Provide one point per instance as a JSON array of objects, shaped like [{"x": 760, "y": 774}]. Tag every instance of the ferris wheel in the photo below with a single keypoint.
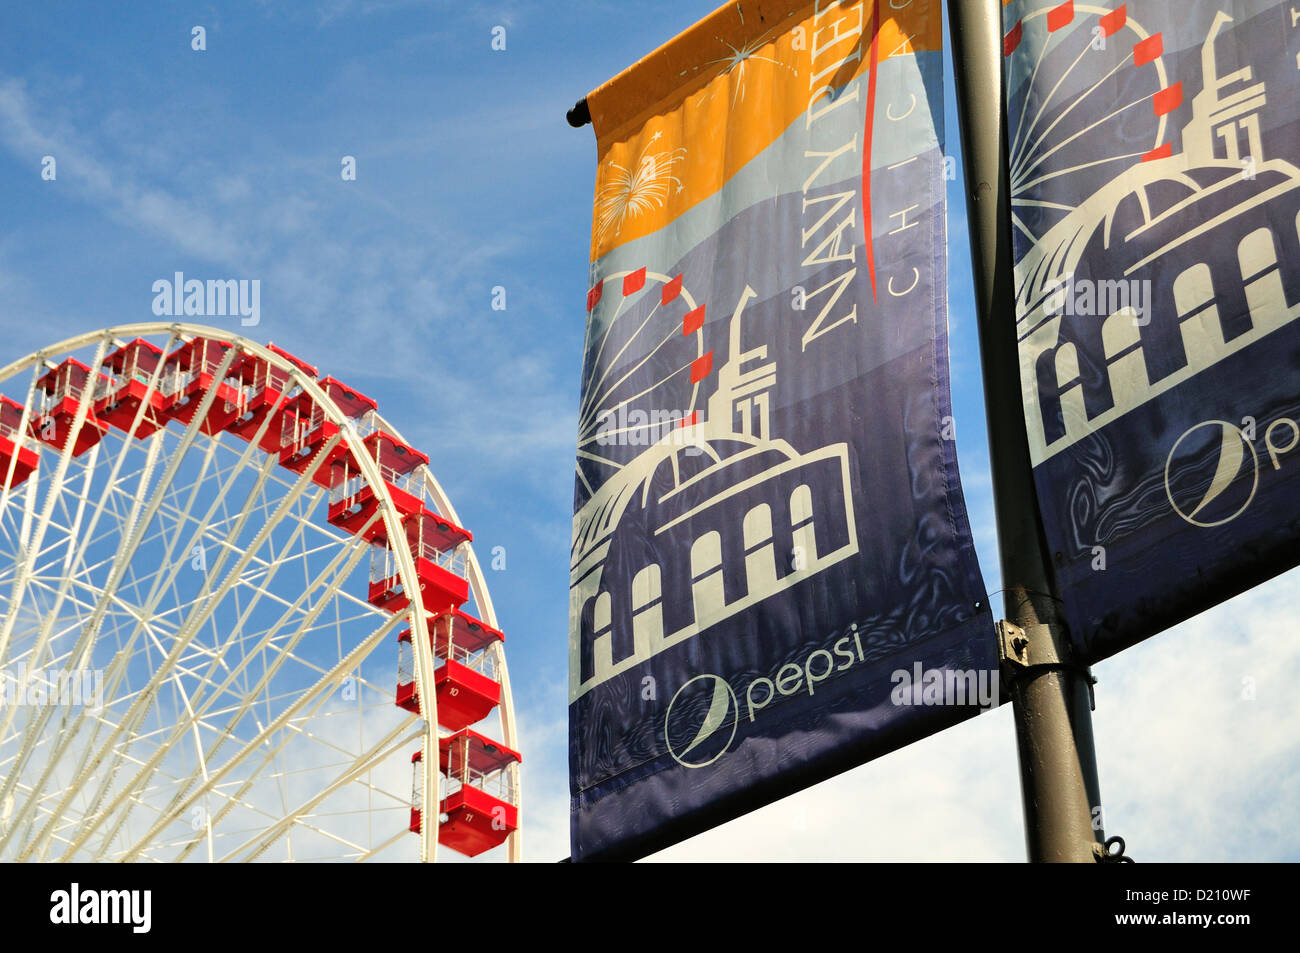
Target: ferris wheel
[
  {"x": 1111, "y": 87},
  {"x": 212, "y": 566},
  {"x": 643, "y": 372}
]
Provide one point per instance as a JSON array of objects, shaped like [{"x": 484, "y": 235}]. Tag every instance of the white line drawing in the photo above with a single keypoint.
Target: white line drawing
[
  {"x": 721, "y": 496},
  {"x": 1165, "y": 219}
]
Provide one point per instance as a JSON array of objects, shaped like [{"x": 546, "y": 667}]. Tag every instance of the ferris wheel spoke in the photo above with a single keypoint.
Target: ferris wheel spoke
[
  {"x": 604, "y": 339},
  {"x": 160, "y": 846},
  {"x": 107, "y": 840},
  {"x": 376, "y": 851},
  {"x": 199, "y": 614},
  {"x": 1018, "y": 181},
  {"x": 81, "y": 653},
  {"x": 224, "y": 736},
  {"x": 340, "y": 571},
  {"x": 31, "y": 545},
  {"x": 1086, "y": 165},
  {"x": 1018, "y": 223},
  {"x": 160, "y": 850},
  {"x": 85, "y": 642},
  {"x": 396, "y": 740},
  {"x": 348, "y": 755},
  {"x": 325, "y": 684},
  {"x": 1041, "y": 109},
  {"x": 237, "y": 799},
  {"x": 120, "y": 661},
  {"x": 583, "y": 438},
  {"x": 11, "y": 515},
  {"x": 585, "y": 482},
  {"x": 1034, "y": 203},
  {"x": 69, "y": 570},
  {"x": 591, "y": 416},
  {"x": 595, "y": 458},
  {"x": 181, "y": 511},
  {"x": 1029, "y": 151},
  {"x": 1024, "y": 106},
  {"x": 592, "y": 386},
  {"x": 29, "y": 514}
]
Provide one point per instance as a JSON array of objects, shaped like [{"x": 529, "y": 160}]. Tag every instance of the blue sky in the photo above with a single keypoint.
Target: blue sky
[{"x": 226, "y": 164}]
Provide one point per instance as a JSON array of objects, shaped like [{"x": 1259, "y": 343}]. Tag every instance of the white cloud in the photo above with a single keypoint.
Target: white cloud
[{"x": 26, "y": 133}]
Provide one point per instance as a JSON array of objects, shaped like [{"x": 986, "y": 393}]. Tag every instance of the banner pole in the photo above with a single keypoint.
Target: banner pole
[{"x": 1051, "y": 698}]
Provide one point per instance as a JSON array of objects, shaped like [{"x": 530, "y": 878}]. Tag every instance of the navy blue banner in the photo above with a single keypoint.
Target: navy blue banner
[
  {"x": 1156, "y": 204},
  {"x": 773, "y": 578}
]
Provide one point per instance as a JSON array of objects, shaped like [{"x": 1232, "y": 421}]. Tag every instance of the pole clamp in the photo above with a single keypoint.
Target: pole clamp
[{"x": 1029, "y": 647}]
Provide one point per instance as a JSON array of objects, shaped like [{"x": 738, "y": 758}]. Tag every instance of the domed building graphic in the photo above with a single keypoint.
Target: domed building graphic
[
  {"x": 714, "y": 517},
  {"x": 1213, "y": 235}
]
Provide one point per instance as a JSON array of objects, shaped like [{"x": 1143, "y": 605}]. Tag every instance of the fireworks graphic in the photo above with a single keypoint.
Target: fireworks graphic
[
  {"x": 630, "y": 192},
  {"x": 739, "y": 59}
]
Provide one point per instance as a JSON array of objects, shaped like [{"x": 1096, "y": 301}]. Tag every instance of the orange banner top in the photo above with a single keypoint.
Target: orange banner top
[{"x": 673, "y": 128}]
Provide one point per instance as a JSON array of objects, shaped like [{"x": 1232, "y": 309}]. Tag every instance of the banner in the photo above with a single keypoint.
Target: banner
[
  {"x": 1155, "y": 197},
  {"x": 772, "y": 574}
]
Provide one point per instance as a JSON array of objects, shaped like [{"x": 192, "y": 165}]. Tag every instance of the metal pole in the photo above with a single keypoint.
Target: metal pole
[{"x": 1051, "y": 697}]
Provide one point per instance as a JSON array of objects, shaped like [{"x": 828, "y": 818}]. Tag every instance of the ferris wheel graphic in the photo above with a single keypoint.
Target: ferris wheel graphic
[
  {"x": 212, "y": 561},
  {"x": 1112, "y": 86},
  {"x": 644, "y": 367}
]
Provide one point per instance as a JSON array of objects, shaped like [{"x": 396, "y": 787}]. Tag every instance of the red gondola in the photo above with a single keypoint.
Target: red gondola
[
  {"x": 191, "y": 371},
  {"x": 13, "y": 453},
  {"x": 125, "y": 388},
  {"x": 352, "y": 499},
  {"x": 61, "y": 389},
  {"x": 480, "y": 807},
  {"x": 266, "y": 390},
  {"x": 438, "y": 547},
  {"x": 465, "y": 679},
  {"x": 306, "y": 429}
]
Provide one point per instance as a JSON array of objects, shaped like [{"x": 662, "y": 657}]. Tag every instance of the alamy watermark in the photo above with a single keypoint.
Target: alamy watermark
[
  {"x": 944, "y": 686},
  {"x": 53, "y": 687},
  {"x": 133, "y": 908},
  {"x": 1100, "y": 298},
  {"x": 181, "y": 297},
  {"x": 643, "y": 428}
]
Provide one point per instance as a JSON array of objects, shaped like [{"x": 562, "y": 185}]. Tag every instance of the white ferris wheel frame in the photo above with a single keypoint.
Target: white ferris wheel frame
[{"x": 418, "y": 616}]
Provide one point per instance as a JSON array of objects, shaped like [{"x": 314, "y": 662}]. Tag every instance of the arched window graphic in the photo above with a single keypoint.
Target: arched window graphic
[
  {"x": 1067, "y": 367},
  {"x": 595, "y": 630},
  {"x": 804, "y": 530},
  {"x": 1056, "y": 373},
  {"x": 1198, "y": 315},
  {"x": 1262, "y": 278},
  {"x": 647, "y": 610},
  {"x": 1121, "y": 338},
  {"x": 707, "y": 591},
  {"x": 1069, "y": 387},
  {"x": 587, "y": 635},
  {"x": 602, "y": 622},
  {"x": 760, "y": 552},
  {"x": 1120, "y": 334}
]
